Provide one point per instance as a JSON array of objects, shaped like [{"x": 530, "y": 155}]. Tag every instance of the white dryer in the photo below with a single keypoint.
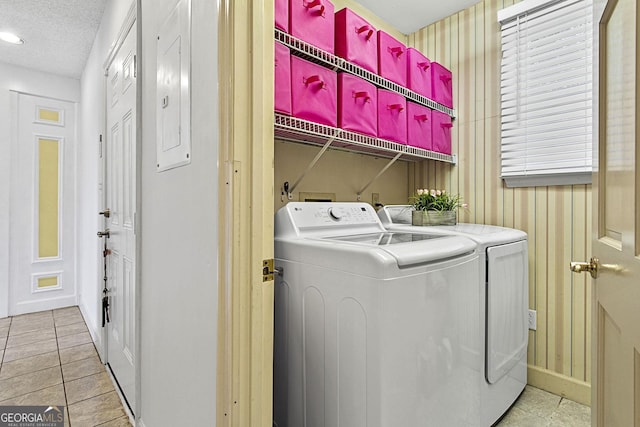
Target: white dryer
[
  {"x": 373, "y": 328},
  {"x": 503, "y": 278}
]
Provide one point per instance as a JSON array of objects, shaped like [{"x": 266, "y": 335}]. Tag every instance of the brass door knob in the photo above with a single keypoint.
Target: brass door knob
[
  {"x": 106, "y": 213},
  {"x": 106, "y": 233},
  {"x": 591, "y": 267}
]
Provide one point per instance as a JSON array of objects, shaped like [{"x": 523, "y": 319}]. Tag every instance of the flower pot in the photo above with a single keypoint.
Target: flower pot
[{"x": 433, "y": 217}]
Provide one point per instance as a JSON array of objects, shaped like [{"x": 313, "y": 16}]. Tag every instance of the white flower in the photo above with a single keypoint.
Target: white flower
[
  {"x": 438, "y": 193},
  {"x": 433, "y": 193},
  {"x": 465, "y": 205},
  {"x": 420, "y": 191}
]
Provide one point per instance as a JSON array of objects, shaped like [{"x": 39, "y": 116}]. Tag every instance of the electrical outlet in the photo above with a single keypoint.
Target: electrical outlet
[
  {"x": 533, "y": 319},
  {"x": 375, "y": 198}
]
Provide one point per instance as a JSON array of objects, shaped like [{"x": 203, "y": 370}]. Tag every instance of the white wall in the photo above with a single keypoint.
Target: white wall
[
  {"x": 178, "y": 259},
  {"x": 20, "y": 79},
  {"x": 89, "y": 174}
]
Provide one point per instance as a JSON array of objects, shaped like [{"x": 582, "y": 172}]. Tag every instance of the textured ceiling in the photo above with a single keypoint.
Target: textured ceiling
[
  {"x": 57, "y": 34},
  {"x": 409, "y": 16}
]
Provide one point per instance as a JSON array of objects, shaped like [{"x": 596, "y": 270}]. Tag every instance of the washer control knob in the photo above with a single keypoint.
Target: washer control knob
[{"x": 336, "y": 213}]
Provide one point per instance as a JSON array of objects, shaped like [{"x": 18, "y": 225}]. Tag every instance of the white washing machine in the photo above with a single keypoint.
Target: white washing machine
[
  {"x": 503, "y": 278},
  {"x": 373, "y": 328}
]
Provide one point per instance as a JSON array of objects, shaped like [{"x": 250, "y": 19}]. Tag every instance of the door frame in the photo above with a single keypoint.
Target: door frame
[
  {"x": 246, "y": 201},
  {"x": 130, "y": 23}
]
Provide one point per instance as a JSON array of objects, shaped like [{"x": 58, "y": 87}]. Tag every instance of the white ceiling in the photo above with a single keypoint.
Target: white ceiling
[
  {"x": 409, "y": 16},
  {"x": 57, "y": 34}
]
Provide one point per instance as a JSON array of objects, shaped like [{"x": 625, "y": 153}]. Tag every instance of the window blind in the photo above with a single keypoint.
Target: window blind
[{"x": 546, "y": 92}]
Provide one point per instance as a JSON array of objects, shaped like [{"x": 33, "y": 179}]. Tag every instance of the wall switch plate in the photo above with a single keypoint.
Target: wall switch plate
[{"x": 533, "y": 319}]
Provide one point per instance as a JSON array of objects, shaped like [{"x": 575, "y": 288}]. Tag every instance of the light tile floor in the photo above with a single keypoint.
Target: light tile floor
[
  {"x": 537, "y": 408},
  {"x": 48, "y": 358}
]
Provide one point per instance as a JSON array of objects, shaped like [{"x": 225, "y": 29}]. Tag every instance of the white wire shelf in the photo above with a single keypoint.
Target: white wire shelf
[
  {"x": 302, "y": 131},
  {"x": 319, "y": 56}
]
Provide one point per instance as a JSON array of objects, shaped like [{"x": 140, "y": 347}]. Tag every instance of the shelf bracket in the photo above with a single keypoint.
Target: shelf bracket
[
  {"x": 324, "y": 148},
  {"x": 384, "y": 169}
]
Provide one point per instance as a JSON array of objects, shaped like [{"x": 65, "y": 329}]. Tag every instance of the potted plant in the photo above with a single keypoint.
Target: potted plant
[{"x": 435, "y": 207}]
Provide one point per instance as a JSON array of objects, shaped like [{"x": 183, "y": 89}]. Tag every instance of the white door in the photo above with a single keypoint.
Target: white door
[
  {"x": 616, "y": 233},
  {"x": 120, "y": 200},
  {"x": 42, "y": 210}
]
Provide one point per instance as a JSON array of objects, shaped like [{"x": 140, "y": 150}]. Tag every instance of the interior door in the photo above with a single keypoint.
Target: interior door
[
  {"x": 42, "y": 207},
  {"x": 616, "y": 233},
  {"x": 120, "y": 200}
]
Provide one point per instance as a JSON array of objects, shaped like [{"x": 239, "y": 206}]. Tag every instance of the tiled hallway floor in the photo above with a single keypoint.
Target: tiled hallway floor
[
  {"x": 48, "y": 358},
  {"x": 537, "y": 408}
]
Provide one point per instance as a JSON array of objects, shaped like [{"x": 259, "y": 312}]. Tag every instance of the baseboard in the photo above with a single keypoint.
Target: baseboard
[
  {"x": 45, "y": 304},
  {"x": 561, "y": 385},
  {"x": 94, "y": 330}
]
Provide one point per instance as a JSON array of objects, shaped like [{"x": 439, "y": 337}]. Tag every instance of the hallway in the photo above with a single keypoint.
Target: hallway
[{"x": 48, "y": 358}]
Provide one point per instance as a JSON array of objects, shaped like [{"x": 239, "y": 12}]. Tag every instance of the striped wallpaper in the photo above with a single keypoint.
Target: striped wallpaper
[{"x": 557, "y": 219}]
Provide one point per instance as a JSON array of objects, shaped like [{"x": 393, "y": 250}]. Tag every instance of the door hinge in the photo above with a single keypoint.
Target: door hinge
[{"x": 268, "y": 271}]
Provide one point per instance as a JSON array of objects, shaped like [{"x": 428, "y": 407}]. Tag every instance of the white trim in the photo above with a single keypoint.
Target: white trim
[
  {"x": 35, "y": 258},
  {"x": 91, "y": 327},
  {"x": 34, "y": 281},
  {"x": 127, "y": 24},
  {"x": 518, "y": 9},
  {"x": 38, "y": 120},
  {"x": 44, "y": 304},
  {"x": 6, "y": 208},
  {"x": 136, "y": 224}
]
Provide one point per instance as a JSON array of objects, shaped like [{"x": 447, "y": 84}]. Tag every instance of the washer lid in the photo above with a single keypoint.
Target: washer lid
[
  {"x": 385, "y": 239},
  {"x": 410, "y": 248}
]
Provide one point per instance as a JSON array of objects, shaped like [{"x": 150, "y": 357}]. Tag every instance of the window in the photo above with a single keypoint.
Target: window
[{"x": 546, "y": 92}]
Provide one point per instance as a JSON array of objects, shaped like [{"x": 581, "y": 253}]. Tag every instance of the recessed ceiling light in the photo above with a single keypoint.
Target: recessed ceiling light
[{"x": 11, "y": 38}]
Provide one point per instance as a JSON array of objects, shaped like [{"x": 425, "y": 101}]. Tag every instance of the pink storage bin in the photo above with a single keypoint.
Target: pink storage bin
[
  {"x": 313, "y": 22},
  {"x": 392, "y": 59},
  {"x": 392, "y": 116},
  {"x": 313, "y": 92},
  {"x": 282, "y": 92},
  {"x": 441, "y": 85},
  {"x": 357, "y": 105},
  {"x": 356, "y": 40},
  {"x": 419, "y": 126},
  {"x": 441, "y": 132},
  {"x": 281, "y": 14},
  {"x": 418, "y": 73}
]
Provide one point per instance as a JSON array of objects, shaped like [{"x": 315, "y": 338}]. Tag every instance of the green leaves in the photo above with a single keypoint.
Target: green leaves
[{"x": 436, "y": 200}]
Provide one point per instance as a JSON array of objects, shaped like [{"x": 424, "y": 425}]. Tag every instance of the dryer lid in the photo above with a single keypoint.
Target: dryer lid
[{"x": 398, "y": 217}]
